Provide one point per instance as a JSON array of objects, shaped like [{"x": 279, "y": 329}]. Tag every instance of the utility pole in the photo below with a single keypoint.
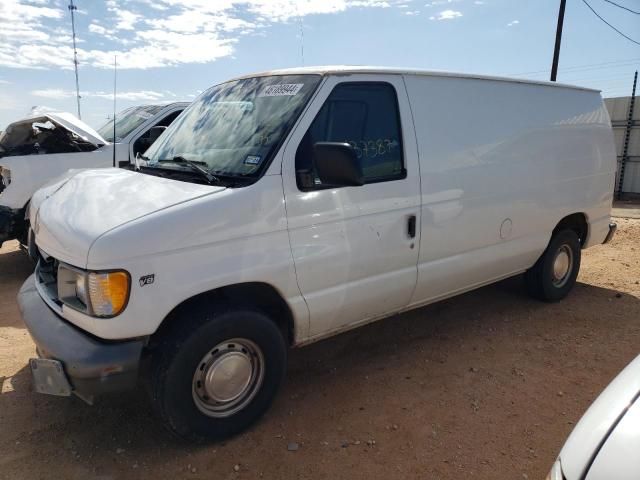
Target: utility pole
[
  {"x": 72, "y": 9},
  {"x": 556, "y": 51},
  {"x": 114, "y": 142}
]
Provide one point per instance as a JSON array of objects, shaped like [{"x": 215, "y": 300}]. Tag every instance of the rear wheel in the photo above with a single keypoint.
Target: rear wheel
[
  {"x": 554, "y": 274},
  {"x": 215, "y": 374}
]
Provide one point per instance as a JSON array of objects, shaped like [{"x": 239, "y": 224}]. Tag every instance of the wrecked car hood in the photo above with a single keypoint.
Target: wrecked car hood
[
  {"x": 20, "y": 131},
  {"x": 77, "y": 126},
  {"x": 76, "y": 211}
]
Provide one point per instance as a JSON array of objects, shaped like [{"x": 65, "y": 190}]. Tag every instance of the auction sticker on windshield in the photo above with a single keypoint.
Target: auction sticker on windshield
[
  {"x": 252, "y": 160},
  {"x": 281, "y": 90}
]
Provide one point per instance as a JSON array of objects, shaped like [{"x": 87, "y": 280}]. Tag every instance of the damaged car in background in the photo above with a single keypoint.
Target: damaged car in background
[{"x": 43, "y": 146}]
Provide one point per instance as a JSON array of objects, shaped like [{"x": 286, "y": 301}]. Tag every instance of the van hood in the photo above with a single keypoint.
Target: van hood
[
  {"x": 20, "y": 133},
  {"x": 78, "y": 210}
]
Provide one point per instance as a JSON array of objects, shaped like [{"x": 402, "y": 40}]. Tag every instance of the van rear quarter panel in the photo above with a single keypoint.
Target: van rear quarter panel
[{"x": 493, "y": 152}]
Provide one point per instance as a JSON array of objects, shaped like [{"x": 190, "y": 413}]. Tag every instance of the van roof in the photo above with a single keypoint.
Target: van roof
[
  {"x": 168, "y": 104},
  {"x": 347, "y": 69}
]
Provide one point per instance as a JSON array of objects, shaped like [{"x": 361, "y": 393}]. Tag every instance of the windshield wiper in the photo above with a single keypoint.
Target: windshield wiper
[
  {"x": 239, "y": 177},
  {"x": 211, "y": 178}
]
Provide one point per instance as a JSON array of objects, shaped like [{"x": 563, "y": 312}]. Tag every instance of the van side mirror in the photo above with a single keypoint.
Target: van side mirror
[
  {"x": 145, "y": 141},
  {"x": 154, "y": 133},
  {"x": 337, "y": 164}
]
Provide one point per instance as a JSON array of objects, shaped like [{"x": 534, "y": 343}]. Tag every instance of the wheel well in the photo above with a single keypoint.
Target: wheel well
[
  {"x": 256, "y": 294},
  {"x": 576, "y": 222}
]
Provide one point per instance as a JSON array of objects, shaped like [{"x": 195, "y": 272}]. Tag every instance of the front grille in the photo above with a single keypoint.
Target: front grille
[{"x": 47, "y": 277}]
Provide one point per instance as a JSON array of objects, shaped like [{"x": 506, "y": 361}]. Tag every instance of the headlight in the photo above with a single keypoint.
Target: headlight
[
  {"x": 72, "y": 288},
  {"x": 108, "y": 292},
  {"x": 100, "y": 294},
  {"x": 81, "y": 289},
  {"x": 556, "y": 472}
]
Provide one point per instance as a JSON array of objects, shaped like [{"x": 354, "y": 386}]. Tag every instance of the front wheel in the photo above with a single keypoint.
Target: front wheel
[
  {"x": 215, "y": 374},
  {"x": 554, "y": 274}
]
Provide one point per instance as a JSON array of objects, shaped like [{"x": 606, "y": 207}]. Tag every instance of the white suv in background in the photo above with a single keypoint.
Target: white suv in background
[{"x": 43, "y": 146}]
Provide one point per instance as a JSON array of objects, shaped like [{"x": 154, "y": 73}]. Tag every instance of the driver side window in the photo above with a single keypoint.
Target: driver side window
[
  {"x": 364, "y": 115},
  {"x": 145, "y": 140}
]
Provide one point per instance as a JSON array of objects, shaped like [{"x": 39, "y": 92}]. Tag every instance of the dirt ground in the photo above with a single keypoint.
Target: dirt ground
[{"x": 487, "y": 385}]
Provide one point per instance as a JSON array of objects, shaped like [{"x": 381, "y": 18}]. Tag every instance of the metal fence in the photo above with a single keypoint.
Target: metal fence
[{"x": 619, "y": 113}]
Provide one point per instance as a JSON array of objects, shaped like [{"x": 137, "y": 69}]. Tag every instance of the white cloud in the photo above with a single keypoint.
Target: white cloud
[
  {"x": 4, "y": 82},
  {"x": 161, "y": 49},
  {"x": 149, "y": 33},
  {"x": 513, "y": 23},
  {"x": 126, "y": 19},
  {"x": 447, "y": 15},
  {"x": 147, "y": 95},
  {"x": 140, "y": 95},
  {"x": 55, "y": 93},
  {"x": 24, "y": 40},
  {"x": 99, "y": 29},
  {"x": 437, "y": 3}
]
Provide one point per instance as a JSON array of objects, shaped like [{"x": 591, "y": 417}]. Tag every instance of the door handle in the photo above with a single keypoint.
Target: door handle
[{"x": 411, "y": 226}]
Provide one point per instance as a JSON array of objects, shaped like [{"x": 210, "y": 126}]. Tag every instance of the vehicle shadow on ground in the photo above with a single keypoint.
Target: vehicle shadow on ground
[
  {"x": 426, "y": 352},
  {"x": 15, "y": 267}
]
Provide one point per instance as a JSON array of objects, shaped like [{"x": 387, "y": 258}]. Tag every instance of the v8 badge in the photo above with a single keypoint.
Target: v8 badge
[{"x": 147, "y": 279}]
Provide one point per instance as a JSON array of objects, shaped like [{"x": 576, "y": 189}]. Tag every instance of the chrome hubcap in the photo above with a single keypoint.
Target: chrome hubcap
[
  {"x": 562, "y": 266},
  {"x": 228, "y": 377}
]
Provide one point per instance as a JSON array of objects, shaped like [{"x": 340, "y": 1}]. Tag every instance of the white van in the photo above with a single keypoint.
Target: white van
[
  {"x": 42, "y": 146},
  {"x": 285, "y": 207}
]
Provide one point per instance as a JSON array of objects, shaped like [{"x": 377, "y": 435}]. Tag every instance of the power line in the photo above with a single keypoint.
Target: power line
[
  {"x": 590, "y": 66},
  {"x": 596, "y": 79},
  {"x": 614, "y": 28},
  {"x": 622, "y": 7},
  {"x": 609, "y": 81},
  {"x": 618, "y": 72}
]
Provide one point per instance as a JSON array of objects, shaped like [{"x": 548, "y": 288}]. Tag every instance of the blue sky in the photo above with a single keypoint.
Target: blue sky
[{"x": 173, "y": 49}]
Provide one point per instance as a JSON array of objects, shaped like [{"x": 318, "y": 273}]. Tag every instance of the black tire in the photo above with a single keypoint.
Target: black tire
[
  {"x": 180, "y": 352},
  {"x": 542, "y": 283}
]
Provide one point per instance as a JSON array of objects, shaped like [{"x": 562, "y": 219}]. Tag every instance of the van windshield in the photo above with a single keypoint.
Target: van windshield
[
  {"x": 236, "y": 127},
  {"x": 127, "y": 121}
]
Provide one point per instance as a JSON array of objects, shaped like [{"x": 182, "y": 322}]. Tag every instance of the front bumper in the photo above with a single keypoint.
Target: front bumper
[
  {"x": 92, "y": 366},
  {"x": 612, "y": 230}
]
